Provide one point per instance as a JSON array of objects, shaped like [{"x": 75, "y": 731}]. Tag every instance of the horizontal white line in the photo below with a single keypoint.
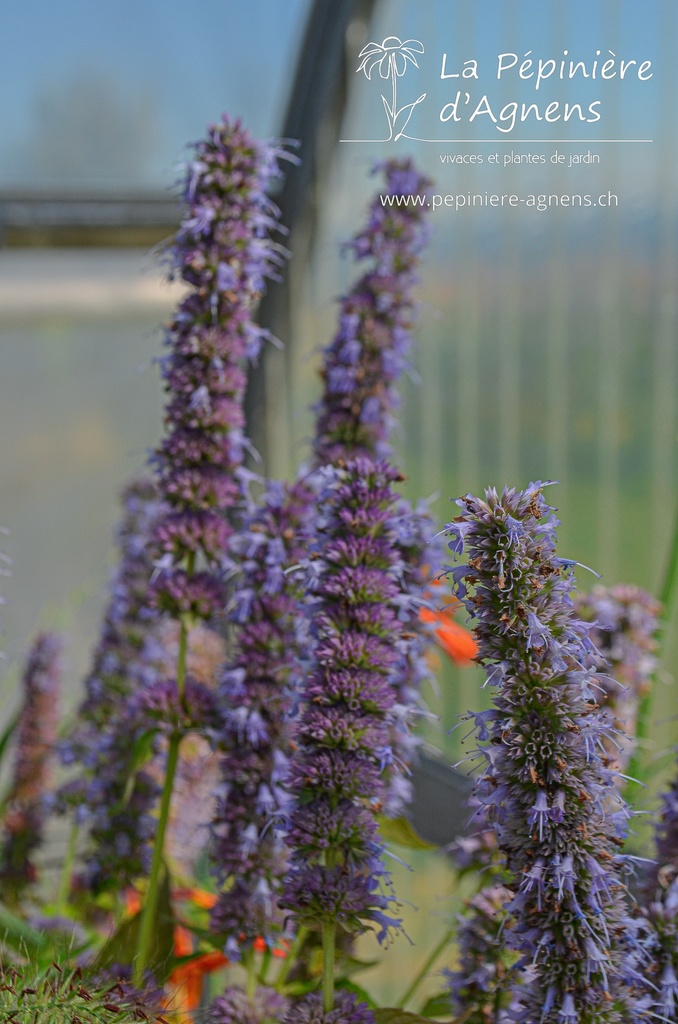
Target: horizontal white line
[{"x": 473, "y": 142}]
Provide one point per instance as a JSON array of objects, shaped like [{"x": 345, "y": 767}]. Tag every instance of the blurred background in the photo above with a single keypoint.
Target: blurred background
[{"x": 546, "y": 340}]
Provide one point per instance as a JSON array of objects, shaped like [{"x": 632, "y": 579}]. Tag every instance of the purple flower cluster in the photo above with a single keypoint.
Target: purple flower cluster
[
  {"x": 660, "y": 927},
  {"x": 547, "y": 783},
  {"x": 666, "y": 838},
  {"x": 368, "y": 354},
  {"x": 223, "y": 250},
  {"x": 128, "y": 653},
  {"x": 234, "y": 1007},
  {"x": 336, "y": 875},
  {"x": 224, "y": 253},
  {"x": 258, "y": 692},
  {"x": 625, "y": 621},
  {"x": 347, "y": 1010},
  {"x": 361, "y": 369},
  {"x": 477, "y": 987},
  {"x": 111, "y": 794},
  {"x": 25, "y": 807}
]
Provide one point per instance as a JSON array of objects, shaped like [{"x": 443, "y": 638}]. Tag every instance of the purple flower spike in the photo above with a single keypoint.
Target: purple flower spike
[
  {"x": 347, "y": 707},
  {"x": 234, "y": 1007},
  {"x": 363, "y": 363},
  {"x": 258, "y": 692},
  {"x": 347, "y": 1010},
  {"x": 25, "y": 809},
  {"x": 625, "y": 620},
  {"x": 548, "y": 786},
  {"x": 129, "y": 658},
  {"x": 361, "y": 370},
  {"x": 483, "y": 959},
  {"x": 225, "y": 253}
]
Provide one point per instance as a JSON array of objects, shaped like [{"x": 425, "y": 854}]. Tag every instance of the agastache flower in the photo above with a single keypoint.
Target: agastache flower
[
  {"x": 234, "y": 1007},
  {"x": 660, "y": 925},
  {"x": 370, "y": 351},
  {"x": 336, "y": 875},
  {"x": 25, "y": 805},
  {"x": 258, "y": 692},
  {"x": 547, "y": 784},
  {"x": 347, "y": 1010},
  {"x": 477, "y": 987},
  {"x": 115, "y": 801},
  {"x": 361, "y": 369},
  {"x": 224, "y": 251},
  {"x": 128, "y": 654},
  {"x": 625, "y": 621}
]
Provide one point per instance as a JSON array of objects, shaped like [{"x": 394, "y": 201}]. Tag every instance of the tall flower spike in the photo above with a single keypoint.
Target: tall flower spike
[
  {"x": 659, "y": 910},
  {"x": 37, "y": 729},
  {"x": 225, "y": 253},
  {"x": 361, "y": 370},
  {"x": 370, "y": 351},
  {"x": 547, "y": 781},
  {"x": 478, "y": 988},
  {"x": 336, "y": 875},
  {"x": 625, "y": 621},
  {"x": 130, "y": 656},
  {"x": 259, "y": 688}
]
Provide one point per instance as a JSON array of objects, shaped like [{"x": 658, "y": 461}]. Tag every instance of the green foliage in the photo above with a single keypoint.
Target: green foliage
[
  {"x": 362, "y": 994},
  {"x": 19, "y": 936},
  {"x": 122, "y": 945},
  {"x": 142, "y": 754},
  {"x": 58, "y": 996},
  {"x": 402, "y": 832},
  {"x": 437, "y": 1006}
]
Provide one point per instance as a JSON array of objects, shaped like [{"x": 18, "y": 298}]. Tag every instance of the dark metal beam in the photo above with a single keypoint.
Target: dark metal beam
[{"x": 316, "y": 107}]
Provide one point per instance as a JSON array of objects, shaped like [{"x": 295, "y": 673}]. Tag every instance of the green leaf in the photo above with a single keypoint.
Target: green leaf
[
  {"x": 349, "y": 986},
  {"x": 348, "y": 965},
  {"x": 401, "y": 832},
  {"x": 142, "y": 753},
  {"x": 301, "y": 988},
  {"x": 4, "y": 743},
  {"x": 121, "y": 947},
  {"x": 20, "y": 936},
  {"x": 7, "y": 734},
  {"x": 437, "y": 1006}
]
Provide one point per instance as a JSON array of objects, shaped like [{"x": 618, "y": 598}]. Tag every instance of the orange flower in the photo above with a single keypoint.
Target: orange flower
[
  {"x": 185, "y": 982},
  {"x": 184, "y": 985},
  {"x": 200, "y": 897},
  {"x": 457, "y": 642}
]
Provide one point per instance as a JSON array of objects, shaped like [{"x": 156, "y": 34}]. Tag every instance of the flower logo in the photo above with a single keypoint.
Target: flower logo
[{"x": 391, "y": 57}]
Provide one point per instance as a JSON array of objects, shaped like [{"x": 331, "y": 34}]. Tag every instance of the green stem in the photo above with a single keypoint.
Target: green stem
[
  {"x": 329, "y": 942},
  {"x": 251, "y": 976},
  {"x": 148, "y": 915},
  {"x": 428, "y": 964},
  {"x": 291, "y": 957},
  {"x": 67, "y": 870},
  {"x": 181, "y": 660},
  {"x": 265, "y": 964},
  {"x": 667, "y": 597},
  {"x": 183, "y": 640}
]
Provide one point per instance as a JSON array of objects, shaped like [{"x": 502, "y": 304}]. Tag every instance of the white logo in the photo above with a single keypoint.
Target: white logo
[{"x": 391, "y": 57}]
